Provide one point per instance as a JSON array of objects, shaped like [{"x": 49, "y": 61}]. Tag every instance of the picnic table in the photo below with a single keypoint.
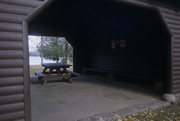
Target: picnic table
[{"x": 57, "y": 70}]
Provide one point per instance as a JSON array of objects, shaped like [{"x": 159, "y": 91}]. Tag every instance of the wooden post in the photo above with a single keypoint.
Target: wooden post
[{"x": 41, "y": 51}]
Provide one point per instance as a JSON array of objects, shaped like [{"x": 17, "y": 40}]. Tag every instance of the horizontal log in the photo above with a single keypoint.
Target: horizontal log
[
  {"x": 176, "y": 63},
  {"x": 27, "y": 3},
  {"x": 169, "y": 11},
  {"x": 8, "y": 108},
  {"x": 174, "y": 73},
  {"x": 176, "y": 45},
  {"x": 12, "y": 116},
  {"x": 11, "y": 63},
  {"x": 11, "y": 45},
  {"x": 176, "y": 77},
  {"x": 10, "y": 81},
  {"x": 11, "y": 36},
  {"x": 176, "y": 54},
  {"x": 10, "y": 72},
  {"x": 15, "y": 9},
  {"x": 5, "y": 17},
  {"x": 176, "y": 86},
  {"x": 177, "y": 41},
  {"x": 11, "y": 90},
  {"x": 176, "y": 37},
  {"x": 172, "y": 21},
  {"x": 175, "y": 91},
  {"x": 11, "y": 99},
  {"x": 176, "y": 68},
  {"x": 10, "y": 27},
  {"x": 176, "y": 50},
  {"x": 176, "y": 59},
  {"x": 170, "y": 16},
  {"x": 176, "y": 81},
  {"x": 176, "y": 27},
  {"x": 11, "y": 54}
]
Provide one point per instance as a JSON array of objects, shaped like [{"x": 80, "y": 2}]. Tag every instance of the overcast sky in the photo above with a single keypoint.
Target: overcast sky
[{"x": 33, "y": 42}]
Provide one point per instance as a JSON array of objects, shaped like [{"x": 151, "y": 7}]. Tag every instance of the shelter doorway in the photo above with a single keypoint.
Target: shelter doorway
[
  {"x": 45, "y": 49},
  {"x": 111, "y": 38}
]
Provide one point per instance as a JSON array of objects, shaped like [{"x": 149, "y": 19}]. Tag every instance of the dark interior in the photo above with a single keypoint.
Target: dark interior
[{"x": 91, "y": 27}]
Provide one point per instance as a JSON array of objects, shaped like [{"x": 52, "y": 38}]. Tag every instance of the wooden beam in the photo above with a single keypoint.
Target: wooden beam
[
  {"x": 136, "y": 3},
  {"x": 38, "y": 10}
]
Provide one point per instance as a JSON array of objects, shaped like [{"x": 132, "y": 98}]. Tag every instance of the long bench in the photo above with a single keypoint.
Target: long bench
[
  {"x": 73, "y": 74},
  {"x": 40, "y": 74},
  {"x": 120, "y": 73}
]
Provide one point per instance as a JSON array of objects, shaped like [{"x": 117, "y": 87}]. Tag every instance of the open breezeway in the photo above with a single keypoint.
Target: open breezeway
[{"x": 85, "y": 97}]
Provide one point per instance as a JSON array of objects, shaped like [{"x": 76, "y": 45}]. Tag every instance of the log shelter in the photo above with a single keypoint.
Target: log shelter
[{"x": 133, "y": 38}]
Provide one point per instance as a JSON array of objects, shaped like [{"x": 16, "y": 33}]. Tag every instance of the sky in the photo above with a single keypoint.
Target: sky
[{"x": 33, "y": 42}]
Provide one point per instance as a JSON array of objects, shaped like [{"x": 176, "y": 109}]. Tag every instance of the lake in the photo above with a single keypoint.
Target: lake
[{"x": 36, "y": 60}]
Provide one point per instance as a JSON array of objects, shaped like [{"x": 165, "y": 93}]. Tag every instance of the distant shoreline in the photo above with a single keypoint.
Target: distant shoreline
[{"x": 36, "y": 60}]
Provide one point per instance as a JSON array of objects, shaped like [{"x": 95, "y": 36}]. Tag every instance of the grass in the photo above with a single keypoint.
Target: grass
[
  {"x": 170, "y": 113},
  {"x": 35, "y": 68}
]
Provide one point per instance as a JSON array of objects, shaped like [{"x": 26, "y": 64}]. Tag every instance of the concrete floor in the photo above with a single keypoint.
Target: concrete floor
[{"x": 86, "y": 96}]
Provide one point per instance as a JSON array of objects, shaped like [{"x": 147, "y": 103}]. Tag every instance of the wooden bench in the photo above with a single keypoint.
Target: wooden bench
[
  {"x": 73, "y": 74},
  {"x": 40, "y": 74},
  {"x": 94, "y": 70},
  {"x": 124, "y": 73}
]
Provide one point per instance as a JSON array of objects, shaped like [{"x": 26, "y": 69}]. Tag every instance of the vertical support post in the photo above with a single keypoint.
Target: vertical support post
[
  {"x": 27, "y": 99},
  {"x": 41, "y": 51}
]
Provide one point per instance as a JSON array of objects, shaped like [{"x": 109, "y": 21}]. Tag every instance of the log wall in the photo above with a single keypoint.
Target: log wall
[{"x": 14, "y": 100}]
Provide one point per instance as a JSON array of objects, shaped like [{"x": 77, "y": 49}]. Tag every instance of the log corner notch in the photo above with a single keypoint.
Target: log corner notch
[
  {"x": 14, "y": 63},
  {"x": 172, "y": 20}
]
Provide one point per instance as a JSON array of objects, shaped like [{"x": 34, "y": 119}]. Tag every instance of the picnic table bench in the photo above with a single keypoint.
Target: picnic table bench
[{"x": 55, "y": 70}]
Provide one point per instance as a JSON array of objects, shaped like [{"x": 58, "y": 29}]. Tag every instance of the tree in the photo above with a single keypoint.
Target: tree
[{"x": 54, "y": 48}]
